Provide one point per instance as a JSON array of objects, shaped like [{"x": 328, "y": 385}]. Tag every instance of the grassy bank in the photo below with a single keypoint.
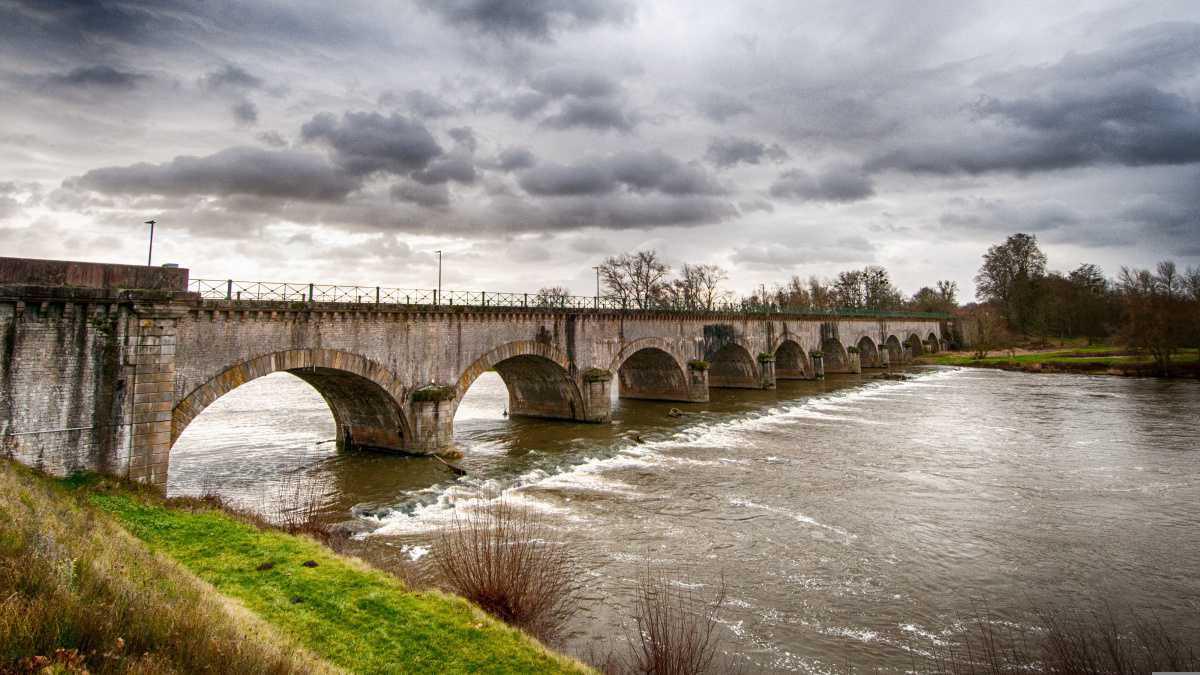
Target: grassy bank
[
  {"x": 78, "y": 592},
  {"x": 1095, "y": 360},
  {"x": 335, "y": 607}
]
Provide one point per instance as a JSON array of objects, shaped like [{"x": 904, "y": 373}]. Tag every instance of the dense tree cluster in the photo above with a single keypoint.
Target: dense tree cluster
[{"x": 1153, "y": 311}]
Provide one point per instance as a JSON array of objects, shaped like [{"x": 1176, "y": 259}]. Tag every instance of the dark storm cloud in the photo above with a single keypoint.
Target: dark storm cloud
[
  {"x": 430, "y": 196},
  {"x": 284, "y": 174},
  {"x": 445, "y": 169},
  {"x": 245, "y": 112},
  {"x": 531, "y": 19},
  {"x": 366, "y": 143},
  {"x": 595, "y": 114},
  {"x": 836, "y": 184},
  {"x": 97, "y": 77},
  {"x": 515, "y": 159},
  {"x": 1113, "y": 106},
  {"x": 728, "y": 151},
  {"x": 653, "y": 171},
  {"x": 86, "y": 29},
  {"x": 465, "y": 139}
]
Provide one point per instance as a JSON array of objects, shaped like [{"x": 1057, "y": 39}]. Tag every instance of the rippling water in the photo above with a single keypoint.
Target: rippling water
[{"x": 853, "y": 519}]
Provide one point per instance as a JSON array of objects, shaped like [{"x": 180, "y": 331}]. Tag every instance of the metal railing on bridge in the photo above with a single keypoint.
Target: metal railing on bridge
[{"x": 229, "y": 289}]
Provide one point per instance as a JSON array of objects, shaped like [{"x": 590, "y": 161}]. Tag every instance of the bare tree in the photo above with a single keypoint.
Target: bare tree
[
  {"x": 699, "y": 286},
  {"x": 987, "y": 330},
  {"x": 794, "y": 294},
  {"x": 820, "y": 293},
  {"x": 1155, "y": 318},
  {"x": 552, "y": 296},
  {"x": 639, "y": 278}
]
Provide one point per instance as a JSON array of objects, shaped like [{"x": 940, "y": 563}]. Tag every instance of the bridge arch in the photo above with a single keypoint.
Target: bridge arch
[
  {"x": 732, "y": 366},
  {"x": 538, "y": 377},
  {"x": 650, "y": 368},
  {"x": 791, "y": 361},
  {"x": 868, "y": 353},
  {"x": 837, "y": 359},
  {"x": 895, "y": 350},
  {"x": 935, "y": 345},
  {"x": 914, "y": 345},
  {"x": 364, "y": 396}
]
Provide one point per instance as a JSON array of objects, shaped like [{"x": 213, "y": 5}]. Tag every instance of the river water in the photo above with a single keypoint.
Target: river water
[{"x": 854, "y": 520}]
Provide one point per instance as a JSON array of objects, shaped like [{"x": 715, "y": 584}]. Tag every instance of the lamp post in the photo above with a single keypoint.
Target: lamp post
[
  {"x": 597, "y": 268},
  {"x": 437, "y": 299},
  {"x": 150, "y": 253}
]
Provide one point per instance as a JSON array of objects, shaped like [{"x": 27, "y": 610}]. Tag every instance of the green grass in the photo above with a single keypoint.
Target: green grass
[
  {"x": 354, "y": 616},
  {"x": 79, "y": 592}
]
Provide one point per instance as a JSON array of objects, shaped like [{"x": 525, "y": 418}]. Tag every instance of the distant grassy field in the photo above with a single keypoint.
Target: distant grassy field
[{"x": 1098, "y": 358}]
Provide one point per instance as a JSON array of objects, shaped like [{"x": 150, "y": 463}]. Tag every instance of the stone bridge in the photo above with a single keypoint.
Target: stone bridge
[{"x": 102, "y": 367}]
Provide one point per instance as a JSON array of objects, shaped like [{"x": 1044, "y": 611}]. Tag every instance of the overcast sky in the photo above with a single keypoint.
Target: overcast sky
[{"x": 529, "y": 139}]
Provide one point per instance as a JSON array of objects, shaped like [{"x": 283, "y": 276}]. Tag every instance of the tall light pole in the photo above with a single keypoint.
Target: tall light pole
[
  {"x": 438, "y": 298},
  {"x": 150, "y": 253},
  {"x": 597, "y": 268}
]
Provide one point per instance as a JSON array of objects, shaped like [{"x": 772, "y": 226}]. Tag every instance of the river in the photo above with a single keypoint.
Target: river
[{"x": 854, "y": 520}]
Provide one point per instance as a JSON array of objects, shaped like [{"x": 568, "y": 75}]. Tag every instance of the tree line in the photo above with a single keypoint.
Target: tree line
[
  {"x": 1154, "y": 311},
  {"x": 644, "y": 280}
]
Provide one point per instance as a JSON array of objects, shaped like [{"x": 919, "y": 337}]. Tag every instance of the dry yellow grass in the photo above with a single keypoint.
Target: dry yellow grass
[{"x": 78, "y": 592}]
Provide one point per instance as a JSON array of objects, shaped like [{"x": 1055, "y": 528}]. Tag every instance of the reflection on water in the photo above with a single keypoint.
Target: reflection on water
[{"x": 850, "y": 517}]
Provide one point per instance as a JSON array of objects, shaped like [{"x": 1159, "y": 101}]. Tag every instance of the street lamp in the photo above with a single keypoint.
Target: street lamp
[
  {"x": 150, "y": 253},
  {"x": 597, "y": 268},
  {"x": 437, "y": 299}
]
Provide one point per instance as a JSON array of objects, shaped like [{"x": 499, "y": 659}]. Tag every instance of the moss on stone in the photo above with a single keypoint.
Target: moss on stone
[
  {"x": 596, "y": 375},
  {"x": 433, "y": 393},
  {"x": 698, "y": 364},
  {"x": 764, "y": 357},
  {"x": 816, "y": 353}
]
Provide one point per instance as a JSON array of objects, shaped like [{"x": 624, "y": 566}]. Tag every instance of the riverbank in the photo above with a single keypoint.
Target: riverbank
[
  {"x": 1086, "y": 360},
  {"x": 100, "y": 572}
]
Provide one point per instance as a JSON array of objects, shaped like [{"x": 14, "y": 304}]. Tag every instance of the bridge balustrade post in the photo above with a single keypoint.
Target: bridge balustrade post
[
  {"x": 229, "y": 289},
  {"x": 377, "y": 295},
  {"x": 310, "y": 292}
]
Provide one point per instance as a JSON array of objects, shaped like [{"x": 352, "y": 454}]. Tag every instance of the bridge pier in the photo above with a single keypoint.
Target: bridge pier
[{"x": 432, "y": 426}]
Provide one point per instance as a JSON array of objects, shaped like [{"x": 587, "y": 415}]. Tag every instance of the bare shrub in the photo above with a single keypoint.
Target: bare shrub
[
  {"x": 677, "y": 633},
  {"x": 1099, "y": 641},
  {"x": 503, "y": 560}
]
